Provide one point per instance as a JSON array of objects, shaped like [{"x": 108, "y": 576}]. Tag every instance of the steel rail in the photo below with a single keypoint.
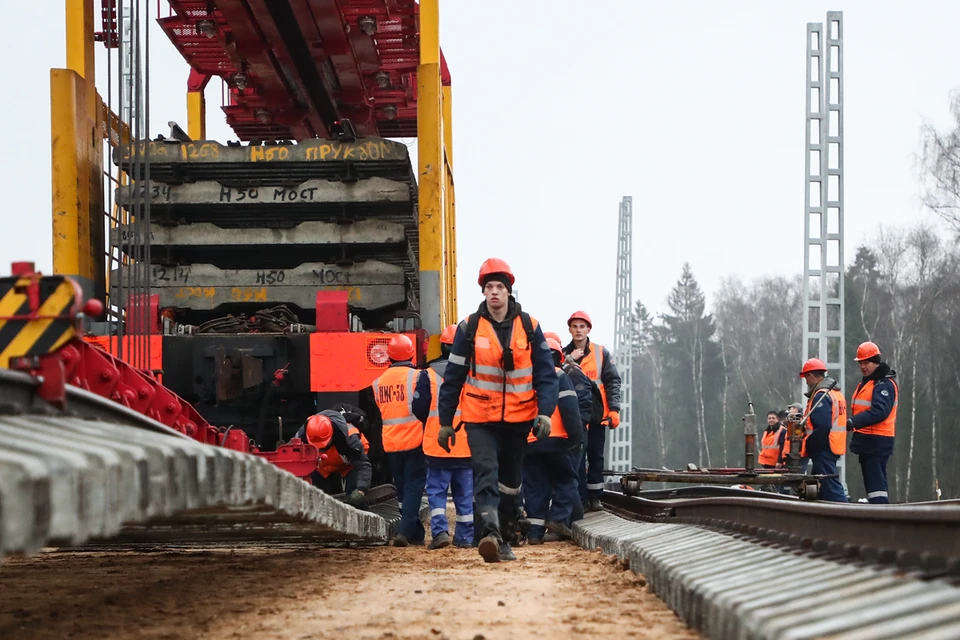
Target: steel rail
[{"x": 911, "y": 535}]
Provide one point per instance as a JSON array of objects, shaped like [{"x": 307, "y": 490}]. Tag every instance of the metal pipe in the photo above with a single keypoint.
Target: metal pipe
[{"x": 750, "y": 439}]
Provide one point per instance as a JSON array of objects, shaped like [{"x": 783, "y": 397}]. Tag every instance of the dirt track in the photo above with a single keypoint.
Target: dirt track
[{"x": 553, "y": 591}]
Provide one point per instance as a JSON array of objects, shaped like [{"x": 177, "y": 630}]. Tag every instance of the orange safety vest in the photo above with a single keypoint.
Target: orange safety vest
[
  {"x": 592, "y": 366},
  {"x": 491, "y": 394},
  {"x": 557, "y": 429},
  {"x": 770, "y": 452},
  {"x": 393, "y": 393},
  {"x": 432, "y": 431},
  {"x": 862, "y": 401},
  {"x": 337, "y": 462},
  {"x": 838, "y": 423}
]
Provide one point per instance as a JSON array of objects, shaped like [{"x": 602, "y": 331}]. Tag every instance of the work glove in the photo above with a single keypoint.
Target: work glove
[
  {"x": 357, "y": 498},
  {"x": 541, "y": 427},
  {"x": 614, "y": 419},
  {"x": 447, "y": 438}
]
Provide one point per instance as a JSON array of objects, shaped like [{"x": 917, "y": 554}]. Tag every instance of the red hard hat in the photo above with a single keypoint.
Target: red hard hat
[
  {"x": 400, "y": 348},
  {"x": 319, "y": 431},
  {"x": 491, "y": 266},
  {"x": 449, "y": 332},
  {"x": 580, "y": 315},
  {"x": 813, "y": 364},
  {"x": 866, "y": 351},
  {"x": 555, "y": 346},
  {"x": 551, "y": 334}
]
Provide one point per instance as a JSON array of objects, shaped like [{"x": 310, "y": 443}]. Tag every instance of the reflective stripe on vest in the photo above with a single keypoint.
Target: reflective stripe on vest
[
  {"x": 335, "y": 461},
  {"x": 838, "y": 424},
  {"x": 592, "y": 366},
  {"x": 491, "y": 394},
  {"x": 432, "y": 431},
  {"x": 557, "y": 428},
  {"x": 770, "y": 447},
  {"x": 863, "y": 400},
  {"x": 393, "y": 392}
]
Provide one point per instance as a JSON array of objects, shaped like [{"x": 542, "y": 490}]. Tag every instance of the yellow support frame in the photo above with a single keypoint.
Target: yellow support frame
[
  {"x": 438, "y": 304},
  {"x": 196, "y": 115}
]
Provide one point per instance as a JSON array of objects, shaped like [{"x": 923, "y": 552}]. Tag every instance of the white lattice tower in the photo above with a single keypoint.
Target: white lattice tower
[{"x": 619, "y": 455}]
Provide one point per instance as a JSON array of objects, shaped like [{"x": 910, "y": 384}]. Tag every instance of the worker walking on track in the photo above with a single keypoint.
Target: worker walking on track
[
  {"x": 447, "y": 469},
  {"x": 402, "y": 394},
  {"x": 599, "y": 366},
  {"x": 501, "y": 364},
  {"x": 771, "y": 443},
  {"x": 549, "y": 469},
  {"x": 873, "y": 420},
  {"x": 343, "y": 451},
  {"x": 825, "y": 439}
]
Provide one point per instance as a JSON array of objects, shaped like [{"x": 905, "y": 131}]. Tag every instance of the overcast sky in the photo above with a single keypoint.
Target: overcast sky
[{"x": 696, "y": 109}]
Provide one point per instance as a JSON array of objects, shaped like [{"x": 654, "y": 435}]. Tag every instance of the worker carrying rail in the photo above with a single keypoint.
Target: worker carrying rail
[
  {"x": 403, "y": 395},
  {"x": 447, "y": 470},
  {"x": 343, "y": 451},
  {"x": 501, "y": 364},
  {"x": 550, "y": 464},
  {"x": 600, "y": 367},
  {"x": 825, "y": 439},
  {"x": 873, "y": 420}
]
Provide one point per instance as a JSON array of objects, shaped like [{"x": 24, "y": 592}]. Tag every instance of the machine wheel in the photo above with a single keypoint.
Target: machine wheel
[
  {"x": 630, "y": 487},
  {"x": 811, "y": 491}
]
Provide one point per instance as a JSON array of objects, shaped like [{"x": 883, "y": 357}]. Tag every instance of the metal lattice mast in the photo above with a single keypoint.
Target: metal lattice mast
[
  {"x": 620, "y": 444},
  {"x": 823, "y": 287}
]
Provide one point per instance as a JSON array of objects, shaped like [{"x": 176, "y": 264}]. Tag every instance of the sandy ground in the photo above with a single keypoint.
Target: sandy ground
[{"x": 554, "y": 591}]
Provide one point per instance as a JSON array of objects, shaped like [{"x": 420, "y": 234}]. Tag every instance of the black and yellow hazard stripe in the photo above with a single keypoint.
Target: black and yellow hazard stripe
[{"x": 27, "y": 333}]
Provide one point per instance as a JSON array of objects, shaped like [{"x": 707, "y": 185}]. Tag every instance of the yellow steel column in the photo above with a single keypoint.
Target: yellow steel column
[
  {"x": 196, "y": 115},
  {"x": 77, "y": 157},
  {"x": 431, "y": 174},
  {"x": 450, "y": 208}
]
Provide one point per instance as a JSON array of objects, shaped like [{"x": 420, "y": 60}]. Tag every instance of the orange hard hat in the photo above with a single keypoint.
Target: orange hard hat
[
  {"x": 449, "y": 332},
  {"x": 866, "y": 351},
  {"x": 552, "y": 334},
  {"x": 811, "y": 365},
  {"x": 580, "y": 315},
  {"x": 319, "y": 431},
  {"x": 400, "y": 348},
  {"x": 491, "y": 266},
  {"x": 554, "y": 345}
]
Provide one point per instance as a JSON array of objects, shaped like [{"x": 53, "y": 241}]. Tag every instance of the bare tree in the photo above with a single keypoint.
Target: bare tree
[{"x": 940, "y": 167}]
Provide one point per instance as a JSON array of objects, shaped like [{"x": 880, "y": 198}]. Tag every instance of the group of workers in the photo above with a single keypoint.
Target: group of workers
[
  {"x": 871, "y": 415},
  {"x": 513, "y": 424}
]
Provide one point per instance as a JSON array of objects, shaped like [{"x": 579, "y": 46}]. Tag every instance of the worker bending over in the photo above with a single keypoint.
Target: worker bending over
[
  {"x": 771, "y": 443},
  {"x": 873, "y": 420},
  {"x": 342, "y": 451},
  {"x": 402, "y": 394},
  {"x": 600, "y": 367},
  {"x": 447, "y": 469},
  {"x": 501, "y": 364},
  {"x": 825, "y": 439},
  {"x": 549, "y": 469}
]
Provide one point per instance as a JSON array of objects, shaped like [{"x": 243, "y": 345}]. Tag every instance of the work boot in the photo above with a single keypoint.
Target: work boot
[
  {"x": 464, "y": 544},
  {"x": 585, "y": 507},
  {"x": 534, "y": 541},
  {"x": 506, "y": 553},
  {"x": 400, "y": 540},
  {"x": 489, "y": 549},
  {"x": 441, "y": 541},
  {"x": 595, "y": 503},
  {"x": 561, "y": 530}
]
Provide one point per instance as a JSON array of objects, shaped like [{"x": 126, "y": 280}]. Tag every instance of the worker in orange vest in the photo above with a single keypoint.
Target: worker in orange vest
[
  {"x": 600, "y": 367},
  {"x": 549, "y": 469},
  {"x": 873, "y": 420},
  {"x": 771, "y": 442},
  {"x": 447, "y": 470},
  {"x": 501, "y": 375},
  {"x": 825, "y": 439},
  {"x": 342, "y": 451},
  {"x": 402, "y": 395}
]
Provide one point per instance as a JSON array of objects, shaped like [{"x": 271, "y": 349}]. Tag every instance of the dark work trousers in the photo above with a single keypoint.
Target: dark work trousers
[
  {"x": 591, "y": 463},
  {"x": 549, "y": 487},
  {"x": 496, "y": 450},
  {"x": 409, "y": 472},
  {"x": 874, "y": 469},
  {"x": 574, "y": 455},
  {"x": 825, "y": 462}
]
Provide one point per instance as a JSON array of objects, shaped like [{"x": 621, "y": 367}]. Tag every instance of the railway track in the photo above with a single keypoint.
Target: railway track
[{"x": 853, "y": 571}]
